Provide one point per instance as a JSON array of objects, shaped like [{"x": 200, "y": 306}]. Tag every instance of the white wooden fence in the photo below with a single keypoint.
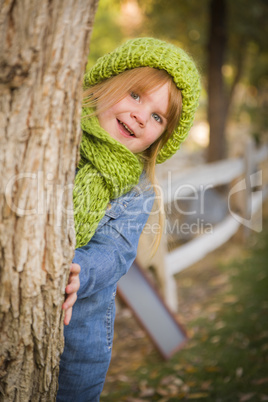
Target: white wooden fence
[{"x": 247, "y": 173}]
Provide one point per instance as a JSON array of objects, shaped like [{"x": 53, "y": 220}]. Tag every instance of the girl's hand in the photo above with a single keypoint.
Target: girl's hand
[{"x": 71, "y": 292}]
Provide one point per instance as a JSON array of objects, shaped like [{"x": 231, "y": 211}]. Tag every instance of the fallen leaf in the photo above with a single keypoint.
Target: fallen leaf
[
  {"x": 197, "y": 395},
  {"x": 219, "y": 280},
  {"x": 206, "y": 385},
  {"x": 220, "y": 325},
  {"x": 227, "y": 379},
  {"x": 191, "y": 369},
  {"x": 178, "y": 381},
  {"x": 162, "y": 391},
  {"x": 230, "y": 299},
  {"x": 260, "y": 381},
  {"x": 139, "y": 334},
  {"x": 147, "y": 392},
  {"x": 185, "y": 388},
  {"x": 214, "y": 308},
  {"x": 191, "y": 383},
  {"x": 212, "y": 369},
  {"x": 154, "y": 374},
  {"x": 167, "y": 380},
  {"x": 123, "y": 378},
  {"x": 246, "y": 397},
  {"x": 215, "y": 339},
  {"x": 173, "y": 390},
  {"x": 143, "y": 384},
  {"x": 178, "y": 367},
  {"x": 180, "y": 395},
  {"x": 189, "y": 345},
  {"x": 144, "y": 370},
  {"x": 239, "y": 372},
  {"x": 263, "y": 334}
]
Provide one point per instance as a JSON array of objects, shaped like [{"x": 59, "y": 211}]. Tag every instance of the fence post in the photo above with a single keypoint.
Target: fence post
[
  {"x": 247, "y": 199},
  {"x": 154, "y": 264},
  {"x": 171, "y": 295}
]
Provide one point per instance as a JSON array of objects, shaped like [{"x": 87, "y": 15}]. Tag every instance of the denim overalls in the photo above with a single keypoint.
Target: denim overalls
[{"x": 107, "y": 257}]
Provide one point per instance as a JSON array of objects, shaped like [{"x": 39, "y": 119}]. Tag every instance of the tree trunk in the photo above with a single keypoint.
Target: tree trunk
[
  {"x": 44, "y": 50},
  {"x": 217, "y": 107}
]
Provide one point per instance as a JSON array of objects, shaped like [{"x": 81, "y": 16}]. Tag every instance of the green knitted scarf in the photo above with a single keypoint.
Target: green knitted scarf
[{"x": 107, "y": 170}]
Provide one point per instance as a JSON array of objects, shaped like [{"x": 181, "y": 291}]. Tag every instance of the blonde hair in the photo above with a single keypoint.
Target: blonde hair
[{"x": 141, "y": 80}]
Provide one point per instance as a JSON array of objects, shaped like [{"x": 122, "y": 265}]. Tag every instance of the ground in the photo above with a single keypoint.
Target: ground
[{"x": 223, "y": 306}]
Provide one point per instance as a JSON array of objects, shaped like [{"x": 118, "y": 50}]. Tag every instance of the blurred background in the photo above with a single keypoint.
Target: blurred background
[{"x": 226, "y": 148}]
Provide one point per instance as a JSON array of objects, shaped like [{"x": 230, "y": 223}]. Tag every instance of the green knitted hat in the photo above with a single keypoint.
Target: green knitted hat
[{"x": 150, "y": 52}]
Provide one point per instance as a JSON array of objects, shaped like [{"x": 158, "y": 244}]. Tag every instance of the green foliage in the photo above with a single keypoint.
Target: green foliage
[
  {"x": 183, "y": 23},
  {"x": 248, "y": 20},
  {"x": 107, "y": 32},
  {"x": 248, "y": 31}
]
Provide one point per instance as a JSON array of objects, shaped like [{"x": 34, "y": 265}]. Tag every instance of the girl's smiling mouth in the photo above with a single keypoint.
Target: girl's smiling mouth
[{"x": 125, "y": 130}]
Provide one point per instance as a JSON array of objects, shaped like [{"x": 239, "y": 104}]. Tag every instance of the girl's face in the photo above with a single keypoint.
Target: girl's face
[{"x": 138, "y": 120}]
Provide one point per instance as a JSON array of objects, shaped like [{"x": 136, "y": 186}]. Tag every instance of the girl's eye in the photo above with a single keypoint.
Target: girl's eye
[
  {"x": 157, "y": 118},
  {"x": 135, "y": 96}
]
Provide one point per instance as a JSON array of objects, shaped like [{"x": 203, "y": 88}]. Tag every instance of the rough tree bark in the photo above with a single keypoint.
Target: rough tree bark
[
  {"x": 44, "y": 46},
  {"x": 217, "y": 106}
]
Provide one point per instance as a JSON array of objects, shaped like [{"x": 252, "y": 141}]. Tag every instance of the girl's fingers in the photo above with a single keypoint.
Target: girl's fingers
[
  {"x": 75, "y": 269},
  {"x": 71, "y": 292},
  {"x": 69, "y": 302},
  {"x": 68, "y": 307},
  {"x": 74, "y": 282},
  {"x": 73, "y": 286},
  {"x": 67, "y": 317}
]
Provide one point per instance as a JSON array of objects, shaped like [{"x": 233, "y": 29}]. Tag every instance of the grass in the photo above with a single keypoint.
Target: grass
[{"x": 226, "y": 357}]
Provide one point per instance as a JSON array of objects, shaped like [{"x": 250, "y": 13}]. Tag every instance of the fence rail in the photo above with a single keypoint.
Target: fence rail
[{"x": 215, "y": 174}]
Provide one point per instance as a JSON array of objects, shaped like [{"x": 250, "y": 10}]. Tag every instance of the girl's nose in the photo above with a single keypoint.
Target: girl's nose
[{"x": 140, "y": 116}]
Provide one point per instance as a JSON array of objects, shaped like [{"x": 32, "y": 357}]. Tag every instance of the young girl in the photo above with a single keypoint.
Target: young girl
[{"x": 139, "y": 105}]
